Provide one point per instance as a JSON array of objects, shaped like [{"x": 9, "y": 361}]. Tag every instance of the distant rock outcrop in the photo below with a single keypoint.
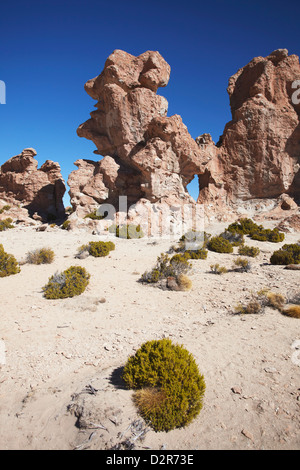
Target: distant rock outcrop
[
  {"x": 40, "y": 191},
  {"x": 257, "y": 159},
  {"x": 147, "y": 155}
]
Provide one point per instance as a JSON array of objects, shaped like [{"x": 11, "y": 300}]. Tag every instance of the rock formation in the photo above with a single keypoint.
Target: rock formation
[
  {"x": 257, "y": 159},
  {"x": 40, "y": 191},
  {"x": 151, "y": 158},
  {"x": 147, "y": 155}
]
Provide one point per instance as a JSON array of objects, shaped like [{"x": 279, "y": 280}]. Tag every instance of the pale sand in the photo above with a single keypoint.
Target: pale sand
[{"x": 55, "y": 348}]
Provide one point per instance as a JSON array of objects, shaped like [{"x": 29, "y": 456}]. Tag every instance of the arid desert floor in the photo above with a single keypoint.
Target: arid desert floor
[{"x": 60, "y": 385}]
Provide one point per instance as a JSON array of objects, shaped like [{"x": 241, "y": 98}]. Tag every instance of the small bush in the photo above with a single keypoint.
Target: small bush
[
  {"x": 220, "y": 245},
  {"x": 97, "y": 249},
  {"x": 6, "y": 224},
  {"x": 251, "y": 308},
  {"x": 170, "y": 388},
  {"x": 66, "y": 225},
  {"x": 184, "y": 282},
  {"x": 217, "y": 269},
  {"x": 242, "y": 265},
  {"x": 4, "y": 208},
  {"x": 166, "y": 267},
  {"x": 268, "y": 235},
  {"x": 288, "y": 254},
  {"x": 40, "y": 256},
  {"x": 94, "y": 215},
  {"x": 235, "y": 238},
  {"x": 251, "y": 251},
  {"x": 127, "y": 231},
  {"x": 8, "y": 264},
  {"x": 69, "y": 283},
  {"x": 243, "y": 226},
  {"x": 292, "y": 311}
]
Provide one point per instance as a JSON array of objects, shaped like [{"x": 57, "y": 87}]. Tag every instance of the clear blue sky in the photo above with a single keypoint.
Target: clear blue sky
[{"x": 50, "y": 49}]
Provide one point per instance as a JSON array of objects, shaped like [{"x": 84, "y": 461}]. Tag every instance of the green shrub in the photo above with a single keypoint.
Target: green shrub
[
  {"x": 127, "y": 231},
  {"x": 268, "y": 235},
  {"x": 235, "y": 238},
  {"x": 66, "y": 225},
  {"x": 69, "y": 283},
  {"x": 288, "y": 254},
  {"x": 243, "y": 226},
  {"x": 170, "y": 388},
  {"x": 217, "y": 269},
  {"x": 256, "y": 232},
  {"x": 220, "y": 245},
  {"x": 251, "y": 251},
  {"x": 166, "y": 267},
  {"x": 8, "y": 264},
  {"x": 94, "y": 216},
  {"x": 6, "y": 224},
  {"x": 40, "y": 256},
  {"x": 242, "y": 265},
  {"x": 97, "y": 249},
  {"x": 4, "y": 208}
]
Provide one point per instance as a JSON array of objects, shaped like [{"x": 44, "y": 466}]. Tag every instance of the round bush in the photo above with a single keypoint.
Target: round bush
[
  {"x": 8, "y": 264},
  {"x": 220, "y": 245},
  {"x": 98, "y": 249},
  {"x": 168, "y": 376},
  {"x": 69, "y": 283},
  {"x": 288, "y": 254}
]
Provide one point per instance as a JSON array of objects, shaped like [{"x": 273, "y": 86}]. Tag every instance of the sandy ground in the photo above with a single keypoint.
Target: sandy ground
[{"x": 60, "y": 384}]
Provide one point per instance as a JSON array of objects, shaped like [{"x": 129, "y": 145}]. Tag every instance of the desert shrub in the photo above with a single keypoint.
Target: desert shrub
[
  {"x": 220, "y": 245},
  {"x": 66, "y": 225},
  {"x": 8, "y": 264},
  {"x": 193, "y": 239},
  {"x": 69, "y": 283},
  {"x": 251, "y": 251},
  {"x": 184, "y": 282},
  {"x": 4, "y": 208},
  {"x": 166, "y": 267},
  {"x": 252, "y": 307},
  {"x": 235, "y": 238},
  {"x": 127, "y": 231},
  {"x": 292, "y": 311},
  {"x": 69, "y": 210},
  {"x": 97, "y": 249},
  {"x": 170, "y": 388},
  {"x": 201, "y": 253},
  {"x": 40, "y": 256},
  {"x": 268, "y": 235},
  {"x": 256, "y": 232},
  {"x": 6, "y": 224},
  {"x": 242, "y": 265},
  {"x": 288, "y": 254},
  {"x": 94, "y": 215},
  {"x": 217, "y": 269}
]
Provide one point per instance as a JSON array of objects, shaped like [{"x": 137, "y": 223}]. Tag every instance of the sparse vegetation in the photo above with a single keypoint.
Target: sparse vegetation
[
  {"x": 69, "y": 283},
  {"x": 127, "y": 231},
  {"x": 6, "y": 224},
  {"x": 235, "y": 238},
  {"x": 217, "y": 269},
  {"x": 66, "y": 225},
  {"x": 184, "y": 282},
  {"x": 246, "y": 226},
  {"x": 251, "y": 251},
  {"x": 97, "y": 249},
  {"x": 166, "y": 267},
  {"x": 94, "y": 215},
  {"x": 8, "y": 264},
  {"x": 40, "y": 256},
  {"x": 170, "y": 388},
  {"x": 4, "y": 208},
  {"x": 242, "y": 265}
]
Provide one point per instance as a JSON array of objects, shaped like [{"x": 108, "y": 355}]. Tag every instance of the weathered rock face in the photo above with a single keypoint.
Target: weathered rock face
[
  {"x": 146, "y": 154},
  {"x": 258, "y": 156},
  {"x": 38, "y": 190}
]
